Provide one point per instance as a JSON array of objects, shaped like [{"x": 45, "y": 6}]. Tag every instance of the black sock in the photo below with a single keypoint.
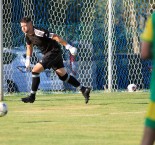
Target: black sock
[
  {"x": 35, "y": 82},
  {"x": 70, "y": 79},
  {"x": 82, "y": 89},
  {"x": 73, "y": 81}
]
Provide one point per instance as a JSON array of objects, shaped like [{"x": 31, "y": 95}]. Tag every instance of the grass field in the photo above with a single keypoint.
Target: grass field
[{"x": 64, "y": 119}]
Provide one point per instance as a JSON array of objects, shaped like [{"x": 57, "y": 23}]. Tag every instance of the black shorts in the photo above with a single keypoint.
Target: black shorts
[{"x": 52, "y": 60}]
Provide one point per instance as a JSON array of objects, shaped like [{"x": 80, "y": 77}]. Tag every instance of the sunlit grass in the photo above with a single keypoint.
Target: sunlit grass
[{"x": 64, "y": 119}]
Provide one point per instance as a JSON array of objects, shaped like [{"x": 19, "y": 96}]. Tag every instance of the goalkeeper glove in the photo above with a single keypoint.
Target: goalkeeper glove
[
  {"x": 72, "y": 49},
  {"x": 27, "y": 62}
]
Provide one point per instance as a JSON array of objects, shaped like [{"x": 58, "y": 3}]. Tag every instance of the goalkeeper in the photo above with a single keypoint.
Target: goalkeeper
[
  {"x": 147, "y": 52},
  {"x": 49, "y": 45}
]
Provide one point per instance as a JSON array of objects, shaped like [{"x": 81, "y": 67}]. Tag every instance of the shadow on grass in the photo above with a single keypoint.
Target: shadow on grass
[
  {"x": 139, "y": 103},
  {"x": 39, "y": 121}
]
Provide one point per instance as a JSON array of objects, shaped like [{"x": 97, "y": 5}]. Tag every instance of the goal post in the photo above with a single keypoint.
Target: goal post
[
  {"x": 1, "y": 52},
  {"x": 110, "y": 63}
]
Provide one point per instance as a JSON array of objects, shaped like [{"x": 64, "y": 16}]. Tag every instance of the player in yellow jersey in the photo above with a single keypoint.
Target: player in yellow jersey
[{"x": 148, "y": 52}]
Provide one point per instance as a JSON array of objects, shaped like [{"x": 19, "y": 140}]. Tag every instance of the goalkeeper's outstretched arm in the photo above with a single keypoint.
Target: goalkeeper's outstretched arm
[{"x": 57, "y": 38}]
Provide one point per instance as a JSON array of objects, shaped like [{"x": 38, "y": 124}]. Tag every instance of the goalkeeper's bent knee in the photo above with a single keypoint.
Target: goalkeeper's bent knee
[
  {"x": 64, "y": 78},
  {"x": 69, "y": 79}
]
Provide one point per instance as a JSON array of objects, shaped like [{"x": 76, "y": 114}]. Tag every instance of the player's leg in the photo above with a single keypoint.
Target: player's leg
[
  {"x": 35, "y": 83},
  {"x": 149, "y": 131},
  {"x": 149, "y": 136},
  {"x": 55, "y": 62},
  {"x": 64, "y": 76}
]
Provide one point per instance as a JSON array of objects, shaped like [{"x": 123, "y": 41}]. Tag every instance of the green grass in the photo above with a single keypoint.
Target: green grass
[{"x": 64, "y": 119}]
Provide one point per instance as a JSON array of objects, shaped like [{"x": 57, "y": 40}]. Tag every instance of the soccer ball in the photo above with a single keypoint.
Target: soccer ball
[
  {"x": 3, "y": 109},
  {"x": 132, "y": 87}
]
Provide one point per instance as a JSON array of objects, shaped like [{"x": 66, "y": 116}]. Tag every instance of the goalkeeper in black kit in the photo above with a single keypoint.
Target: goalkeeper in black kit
[{"x": 49, "y": 45}]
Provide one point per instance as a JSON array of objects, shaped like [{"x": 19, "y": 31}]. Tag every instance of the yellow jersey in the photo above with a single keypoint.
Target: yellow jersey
[{"x": 147, "y": 34}]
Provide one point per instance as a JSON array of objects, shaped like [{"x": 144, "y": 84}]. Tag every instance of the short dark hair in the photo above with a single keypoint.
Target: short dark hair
[{"x": 25, "y": 20}]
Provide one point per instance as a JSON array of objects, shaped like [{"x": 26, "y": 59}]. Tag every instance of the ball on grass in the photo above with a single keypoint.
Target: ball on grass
[
  {"x": 3, "y": 109},
  {"x": 132, "y": 88}
]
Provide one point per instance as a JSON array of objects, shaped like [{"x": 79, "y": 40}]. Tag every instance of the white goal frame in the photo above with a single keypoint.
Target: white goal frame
[{"x": 1, "y": 52}]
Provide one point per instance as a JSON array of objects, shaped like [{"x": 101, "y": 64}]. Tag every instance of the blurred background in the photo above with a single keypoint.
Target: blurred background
[{"x": 105, "y": 32}]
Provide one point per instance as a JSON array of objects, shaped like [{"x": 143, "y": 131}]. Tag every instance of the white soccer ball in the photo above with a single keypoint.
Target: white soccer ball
[
  {"x": 132, "y": 87},
  {"x": 3, "y": 109}
]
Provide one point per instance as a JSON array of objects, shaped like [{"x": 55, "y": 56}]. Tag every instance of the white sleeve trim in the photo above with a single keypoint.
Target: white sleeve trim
[
  {"x": 51, "y": 35},
  {"x": 39, "y": 33}
]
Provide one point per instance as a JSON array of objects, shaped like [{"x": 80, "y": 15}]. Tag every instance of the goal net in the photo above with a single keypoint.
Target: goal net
[{"x": 105, "y": 32}]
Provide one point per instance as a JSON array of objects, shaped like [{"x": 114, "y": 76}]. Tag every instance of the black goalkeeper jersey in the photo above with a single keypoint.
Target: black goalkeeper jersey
[{"x": 41, "y": 39}]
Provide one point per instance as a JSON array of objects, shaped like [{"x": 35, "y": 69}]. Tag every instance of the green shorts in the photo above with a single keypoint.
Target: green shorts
[{"x": 150, "y": 116}]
